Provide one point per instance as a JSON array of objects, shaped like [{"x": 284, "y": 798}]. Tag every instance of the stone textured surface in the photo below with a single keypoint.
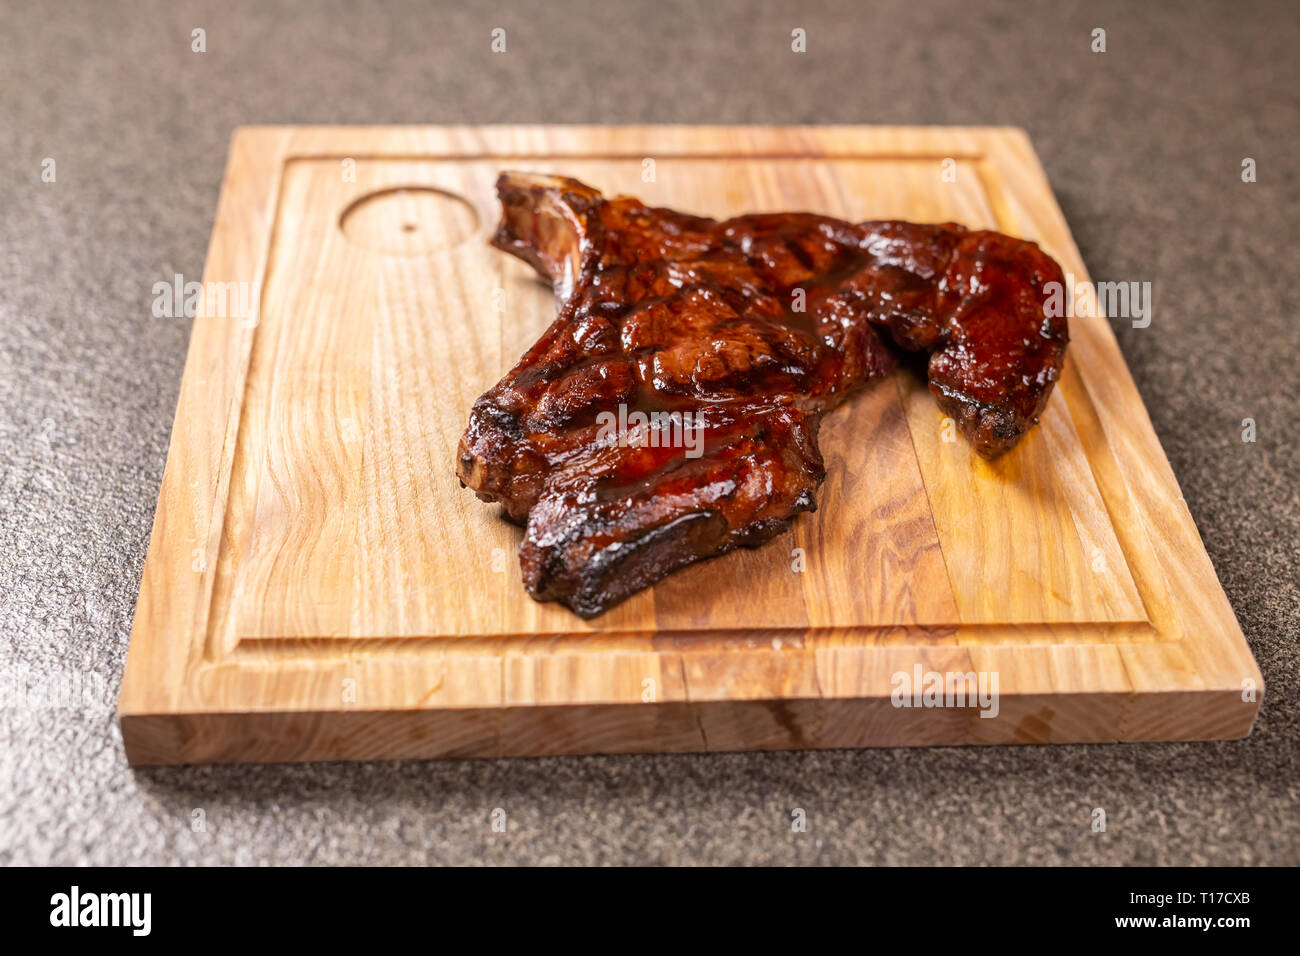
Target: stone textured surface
[{"x": 1143, "y": 144}]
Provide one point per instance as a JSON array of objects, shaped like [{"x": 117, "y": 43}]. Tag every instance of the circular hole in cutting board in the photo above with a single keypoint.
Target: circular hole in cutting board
[{"x": 409, "y": 221}]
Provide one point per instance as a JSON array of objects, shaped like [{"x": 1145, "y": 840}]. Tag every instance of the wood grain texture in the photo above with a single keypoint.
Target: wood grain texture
[{"x": 318, "y": 586}]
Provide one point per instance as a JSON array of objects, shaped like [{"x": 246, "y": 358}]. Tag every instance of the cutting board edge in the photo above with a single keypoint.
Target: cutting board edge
[{"x": 152, "y": 739}]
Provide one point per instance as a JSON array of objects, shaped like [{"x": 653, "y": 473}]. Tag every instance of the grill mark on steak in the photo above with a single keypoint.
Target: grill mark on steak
[{"x": 659, "y": 311}]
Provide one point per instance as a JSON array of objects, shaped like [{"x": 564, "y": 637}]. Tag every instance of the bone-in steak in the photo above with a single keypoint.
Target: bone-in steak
[{"x": 670, "y": 412}]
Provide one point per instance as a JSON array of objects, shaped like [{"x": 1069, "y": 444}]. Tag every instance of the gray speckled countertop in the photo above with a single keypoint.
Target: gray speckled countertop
[{"x": 1143, "y": 145}]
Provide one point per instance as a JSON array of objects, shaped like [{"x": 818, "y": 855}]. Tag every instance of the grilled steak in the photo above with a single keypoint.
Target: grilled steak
[{"x": 670, "y": 412}]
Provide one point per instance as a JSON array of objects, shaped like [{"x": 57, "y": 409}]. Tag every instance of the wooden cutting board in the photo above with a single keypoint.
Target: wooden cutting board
[{"x": 318, "y": 586}]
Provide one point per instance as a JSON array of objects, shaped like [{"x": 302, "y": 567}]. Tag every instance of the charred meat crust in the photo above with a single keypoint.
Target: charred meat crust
[{"x": 747, "y": 331}]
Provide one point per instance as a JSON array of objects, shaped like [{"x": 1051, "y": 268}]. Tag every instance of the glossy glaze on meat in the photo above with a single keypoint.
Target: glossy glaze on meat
[{"x": 751, "y": 328}]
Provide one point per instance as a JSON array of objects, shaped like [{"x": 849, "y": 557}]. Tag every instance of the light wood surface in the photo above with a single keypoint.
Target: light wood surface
[{"x": 318, "y": 586}]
